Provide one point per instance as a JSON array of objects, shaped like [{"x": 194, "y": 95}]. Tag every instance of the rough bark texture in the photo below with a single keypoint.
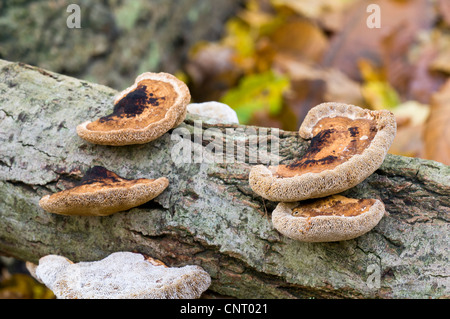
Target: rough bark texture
[{"x": 208, "y": 215}]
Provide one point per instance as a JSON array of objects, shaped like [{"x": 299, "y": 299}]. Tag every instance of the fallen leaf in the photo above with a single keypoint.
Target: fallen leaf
[
  {"x": 357, "y": 40},
  {"x": 441, "y": 61},
  {"x": 313, "y": 9},
  {"x": 437, "y": 128},
  {"x": 300, "y": 38},
  {"x": 411, "y": 112},
  {"x": 376, "y": 90},
  {"x": 257, "y": 92},
  {"x": 312, "y": 84},
  {"x": 380, "y": 95},
  {"x": 411, "y": 117},
  {"x": 340, "y": 88},
  {"x": 262, "y": 19},
  {"x": 23, "y": 286},
  {"x": 211, "y": 71},
  {"x": 444, "y": 10},
  {"x": 424, "y": 81},
  {"x": 239, "y": 37}
]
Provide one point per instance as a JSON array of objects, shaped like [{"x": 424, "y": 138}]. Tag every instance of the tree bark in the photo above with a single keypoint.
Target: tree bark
[
  {"x": 208, "y": 215},
  {"x": 116, "y": 41}
]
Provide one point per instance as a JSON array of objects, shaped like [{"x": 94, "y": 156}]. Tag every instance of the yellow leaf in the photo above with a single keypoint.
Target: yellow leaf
[
  {"x": 369, "y": 73},
  {"x": 313, "y": 9},
  {"x": 22, "y": 286},
  {"x": 380, "y": 95},
  {"x": 239, "y": 37},
  {"x": 411, "y": 117},
  {"x": 376, "y": 90},
  {"x": 257, "y": 92}
]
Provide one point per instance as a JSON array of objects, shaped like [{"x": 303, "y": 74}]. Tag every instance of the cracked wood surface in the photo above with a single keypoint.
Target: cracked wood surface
[{"x": 208, "y": 215}]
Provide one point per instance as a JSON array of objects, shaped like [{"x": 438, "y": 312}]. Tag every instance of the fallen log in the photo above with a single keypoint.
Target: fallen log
[{"x": 208, "y": 215}]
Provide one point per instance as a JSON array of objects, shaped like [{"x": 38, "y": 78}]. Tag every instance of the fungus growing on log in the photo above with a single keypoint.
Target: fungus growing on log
[
  {"x": 333, "y": 218},
  {"x": 348, "y": 143},
  {"x": 154, "y": 104},
  {"x": 121, "y": 275},
  {"x": 102, "y": 192},
  {"x": 216, "y": 111}
]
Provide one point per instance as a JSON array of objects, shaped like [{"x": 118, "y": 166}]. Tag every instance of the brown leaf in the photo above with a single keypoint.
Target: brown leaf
[
  {"x": 312, "y": 85},
  {"x": 300, "y": 38},
  {"x": 444, "y": 10},
  {"x": 441, "y": 63},
  {"x": 424, "y": 82},
  {"x": 437, "y": 129},
  {"x": 212, "y": 71},
  {"x": 411, "y": 117},
  {"x": 23, "y": 286},
  {"x": 318, "y": 10}
]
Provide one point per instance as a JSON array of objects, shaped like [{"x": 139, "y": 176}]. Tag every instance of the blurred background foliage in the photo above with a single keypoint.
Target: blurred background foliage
[
  {"x": 279, "y": 58},
  {"x": 17, "y": 283},
  {"x": 270, "y": 60}
]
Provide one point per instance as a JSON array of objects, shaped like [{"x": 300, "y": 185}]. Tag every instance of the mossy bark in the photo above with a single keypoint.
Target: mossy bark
[
  {"x": 117, "y": 39},
  {"x": 208, "y": 215}
]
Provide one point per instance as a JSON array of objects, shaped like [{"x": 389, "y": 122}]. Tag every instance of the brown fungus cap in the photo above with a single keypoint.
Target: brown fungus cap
[
  {"x": 121, "y": 275},
  {"x": 154, "y": 104},
  {"x": 348, "y": 143},
  {"x": 102, "y": 192},
  {"x": 333, "y": 218}
]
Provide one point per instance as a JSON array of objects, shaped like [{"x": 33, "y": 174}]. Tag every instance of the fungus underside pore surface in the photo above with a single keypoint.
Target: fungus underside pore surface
[
  {"x": 145, "y": 104},
  {"x": 334, "y": 141},
  {"x": 101, "y": 193}
]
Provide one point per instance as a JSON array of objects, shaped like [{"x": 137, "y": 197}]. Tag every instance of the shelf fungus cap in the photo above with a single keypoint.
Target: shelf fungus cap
[
  {"x": 102, "y": 192},
  {"x": 154, "y": 104},
  {"x": 333, "y": 218},
  {"x": 121, "y": 275},
  {"x": 217, "y": 112},
  {"x": 348, "y": 144}
]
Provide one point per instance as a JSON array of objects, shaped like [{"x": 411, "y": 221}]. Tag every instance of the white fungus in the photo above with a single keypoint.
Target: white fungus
[
  {"x": 121, "y": 275},
  {"x": 216, "y": 111}
]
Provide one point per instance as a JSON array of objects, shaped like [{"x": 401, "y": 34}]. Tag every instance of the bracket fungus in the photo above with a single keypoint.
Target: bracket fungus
[
  {"x": 102, "y": 192},
  {"x": 154, "y": 104},
  {"x": 121, "y": 275},
  {"x": 348, "y": 143},
  {"x": 216, "y": 111},
  {"x": 333, "y": 218}
]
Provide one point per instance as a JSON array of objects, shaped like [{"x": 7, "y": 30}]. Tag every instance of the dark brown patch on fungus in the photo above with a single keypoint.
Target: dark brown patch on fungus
[
  {"x": 102, "y": 192},
  {"x": 348, "y": 144},
  {"x": 335, "y": 141},
  {"x": 153, "y": 105},
  {"x": 99, "y": 174},
  {"x": 139, "y": 108}
]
